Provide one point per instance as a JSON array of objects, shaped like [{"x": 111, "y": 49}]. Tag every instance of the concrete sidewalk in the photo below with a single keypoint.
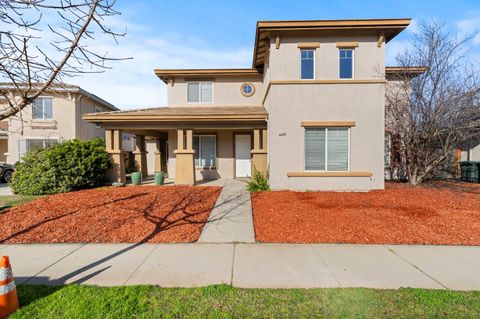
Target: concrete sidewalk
[{"x": 248, "y": 265}]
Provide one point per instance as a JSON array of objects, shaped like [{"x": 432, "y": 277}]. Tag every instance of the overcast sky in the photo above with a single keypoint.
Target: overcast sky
[{"x": 205, "y": 34}]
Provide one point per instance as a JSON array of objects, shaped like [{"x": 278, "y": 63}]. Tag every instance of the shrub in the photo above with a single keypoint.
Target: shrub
[
  {"x": 62, "y": 167},
  {"x": 258, "y": 182}
]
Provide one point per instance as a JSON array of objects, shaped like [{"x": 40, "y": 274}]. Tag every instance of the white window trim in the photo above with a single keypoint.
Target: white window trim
[
  {"x": 200, "y": 147},
  {"x": 314, "y": 64},
  {"x": 353, "y": 64},
  {"x": 326, "y": 151},
  {"x": 33, "y": 106},
  {"x": 200, "y": 91},
  {"x": 25, "y": 138}
]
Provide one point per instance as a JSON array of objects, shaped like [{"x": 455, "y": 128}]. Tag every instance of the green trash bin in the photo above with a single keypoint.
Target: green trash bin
[
  {"x": 463, "y": 170},
  {"x": 474, "y": 176},
  {"x": 159, "y": 178},
  {"x": 470, "y": 171},
  {"x": 136, "y": 178}
]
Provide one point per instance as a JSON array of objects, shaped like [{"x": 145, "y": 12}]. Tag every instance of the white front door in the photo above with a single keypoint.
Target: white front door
[{"x": 243, "y": 148}]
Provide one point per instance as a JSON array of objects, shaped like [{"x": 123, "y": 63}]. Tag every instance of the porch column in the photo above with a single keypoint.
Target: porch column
[
  {"x": 140, "y": 155},
  {"x": 259, "y": 152},
  {"x": 161, "y": 155},
  {"x": 185, "y": 165},
  {"x": 113, "y": 145}
]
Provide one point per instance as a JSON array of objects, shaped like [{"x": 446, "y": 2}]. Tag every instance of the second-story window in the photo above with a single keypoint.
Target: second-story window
[
  {"x": 307, "y": 64},
  {"x": 200, "y": 92},
  {"x": 346, "y": 63},
  {"x": 42, "y": 109}
]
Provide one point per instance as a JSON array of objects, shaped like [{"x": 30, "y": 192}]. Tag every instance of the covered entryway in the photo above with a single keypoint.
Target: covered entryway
[
  {"x": 203, "y": 142},
  {"x": 243, "y": 160}
]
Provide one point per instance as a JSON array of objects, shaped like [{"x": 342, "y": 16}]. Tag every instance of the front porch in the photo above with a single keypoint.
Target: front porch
[{"x": 189, "y": 144}]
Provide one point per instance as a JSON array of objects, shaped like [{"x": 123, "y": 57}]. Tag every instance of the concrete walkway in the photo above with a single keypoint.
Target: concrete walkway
[
  {"x": 231, "y": 219},
  {"x": 248, "y": 265}
]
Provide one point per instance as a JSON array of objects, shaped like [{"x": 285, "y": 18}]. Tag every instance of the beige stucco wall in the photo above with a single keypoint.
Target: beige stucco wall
[
  {"x": 289, "y": 105},
  {"x": 61, "y": 127},
  {"x": 66, "y": 123},
  {"x": 317, "y": 102},
  {"x": 226, "y": 92},
  {"x": 284, "y": 62}
]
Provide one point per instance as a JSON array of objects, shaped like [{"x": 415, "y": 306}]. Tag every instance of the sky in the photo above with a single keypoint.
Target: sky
[{"x": 220, "y": 34}]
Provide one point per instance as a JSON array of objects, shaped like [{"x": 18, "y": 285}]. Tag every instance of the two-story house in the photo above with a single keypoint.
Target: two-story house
[
  {"x": 53, "y": 117},
  {"x": 310, "y": 111}
]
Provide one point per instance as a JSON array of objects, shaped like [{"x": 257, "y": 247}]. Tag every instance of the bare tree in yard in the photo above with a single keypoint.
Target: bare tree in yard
[
  {"x": 44, "y": 41},
  {"x": 434, "y": 112}
]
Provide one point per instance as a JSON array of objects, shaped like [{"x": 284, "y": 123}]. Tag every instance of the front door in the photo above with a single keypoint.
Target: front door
[{"x": 243, "y": 161}]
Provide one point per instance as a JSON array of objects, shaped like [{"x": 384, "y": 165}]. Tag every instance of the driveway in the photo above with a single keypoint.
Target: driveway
[{"x": 5, "y": 189}]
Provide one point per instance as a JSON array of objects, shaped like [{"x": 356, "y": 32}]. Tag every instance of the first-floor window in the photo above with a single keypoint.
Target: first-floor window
[
  {"x": 205, "y": 147},
  {"x": 327, "y": 149},
  {"x": 33, "y": 144}
]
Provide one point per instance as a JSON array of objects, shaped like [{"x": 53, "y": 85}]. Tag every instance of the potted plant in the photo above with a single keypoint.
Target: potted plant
[{"x": 159, "y": 178}]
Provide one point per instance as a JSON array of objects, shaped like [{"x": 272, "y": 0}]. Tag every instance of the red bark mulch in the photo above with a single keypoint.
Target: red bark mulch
[
  {"x": 112, "y": 215},
  {"x": 439, "y": 213}
]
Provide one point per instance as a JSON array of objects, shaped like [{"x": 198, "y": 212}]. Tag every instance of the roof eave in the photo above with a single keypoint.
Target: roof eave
[
  {"x": 165, "y": 74},
  {"x": 393, "y": 26}
]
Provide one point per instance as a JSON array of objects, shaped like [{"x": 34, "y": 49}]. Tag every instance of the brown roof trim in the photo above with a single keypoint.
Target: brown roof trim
[
  {"x": 390, "y": 27},
  {"x": 60, "y": 88},
  {"x": 182, "y": 113},
  {"x": 335, "y": 23},
  {"x": 409, "y": 71},
  {"x": 164, "y": 74}
]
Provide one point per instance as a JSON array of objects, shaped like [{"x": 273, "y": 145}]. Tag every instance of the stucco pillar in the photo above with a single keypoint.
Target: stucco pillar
[
  {"x": 140, "y": 155},
  {"x": 113, "y": 145},
  {"x": 185, "y": 165},
  {"x": 161, "y": 155},
  {"x": 259, "y": 151}
]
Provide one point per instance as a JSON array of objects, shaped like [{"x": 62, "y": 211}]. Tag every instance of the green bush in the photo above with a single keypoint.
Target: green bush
[
  {"x": 62, "y": 167},
  {"x": 258, "y": 182}
]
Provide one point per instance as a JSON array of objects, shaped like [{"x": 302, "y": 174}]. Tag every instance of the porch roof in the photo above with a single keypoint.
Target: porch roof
[{"x": 181, "y": 114}]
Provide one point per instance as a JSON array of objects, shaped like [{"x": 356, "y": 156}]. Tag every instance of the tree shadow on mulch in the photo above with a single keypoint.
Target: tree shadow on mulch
[
  {"x": 161, "y": 223},
  {"x": 443, "y": 184},
  {"x": 31, "y": 227},
  {"x": 455, "y": 186}
]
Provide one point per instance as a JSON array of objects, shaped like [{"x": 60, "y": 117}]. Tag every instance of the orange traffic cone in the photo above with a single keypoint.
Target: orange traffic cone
[{"x": 8, "y": 291}]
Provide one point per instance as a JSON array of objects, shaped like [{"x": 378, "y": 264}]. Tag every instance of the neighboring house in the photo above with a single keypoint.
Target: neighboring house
[
  {"x": 471, "y": 150},
  {"x": 54, "y": 116},
  {"x": 310, "y": 111}
]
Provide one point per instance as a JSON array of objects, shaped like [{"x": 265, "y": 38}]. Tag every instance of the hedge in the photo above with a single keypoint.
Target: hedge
[{"x": 62, "y": 167}]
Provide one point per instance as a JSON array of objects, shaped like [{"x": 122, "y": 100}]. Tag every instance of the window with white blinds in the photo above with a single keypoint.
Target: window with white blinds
[
  {"x": 33, "y": 144},
  {"x": 200, "y": 92},
  {"x": 205, "y": 150},
  {"x": 42, "y": 109},
  {"x": 327, "y": 149}
]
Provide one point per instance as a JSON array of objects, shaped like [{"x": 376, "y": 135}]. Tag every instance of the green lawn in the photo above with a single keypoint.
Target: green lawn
[
  {"x": 7, "y": 201},
  {"x": 73, "y": 301}
]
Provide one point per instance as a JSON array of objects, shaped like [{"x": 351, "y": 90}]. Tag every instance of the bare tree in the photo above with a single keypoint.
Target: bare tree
[
  {"x": 434, "y": 112},
  {"x": 42, "y": 42}
]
